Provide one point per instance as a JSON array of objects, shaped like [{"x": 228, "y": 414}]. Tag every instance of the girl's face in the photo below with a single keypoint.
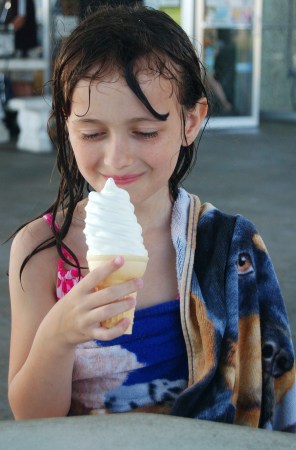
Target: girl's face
[{"x": 113, "y": 135}]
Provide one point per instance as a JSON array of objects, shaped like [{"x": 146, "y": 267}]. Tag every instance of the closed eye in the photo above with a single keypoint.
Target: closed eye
[
  {"x": 146, "y": 134},
  {"x": 89, "y": 137}
]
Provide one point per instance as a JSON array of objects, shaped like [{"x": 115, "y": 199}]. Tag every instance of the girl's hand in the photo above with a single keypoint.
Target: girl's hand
[{"x": 77, "y": 317}]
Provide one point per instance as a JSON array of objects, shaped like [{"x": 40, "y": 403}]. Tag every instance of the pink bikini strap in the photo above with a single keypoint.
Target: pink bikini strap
[{"x": 48, "y": 219}]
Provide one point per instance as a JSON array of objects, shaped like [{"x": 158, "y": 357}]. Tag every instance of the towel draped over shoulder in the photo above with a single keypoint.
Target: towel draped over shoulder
[{"x": 238, "y": 340}]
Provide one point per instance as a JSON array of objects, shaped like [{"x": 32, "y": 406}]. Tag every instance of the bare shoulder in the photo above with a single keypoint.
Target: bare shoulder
[
  {"x": 40, "y": 271},
  {"x": 31, "y": 235}
]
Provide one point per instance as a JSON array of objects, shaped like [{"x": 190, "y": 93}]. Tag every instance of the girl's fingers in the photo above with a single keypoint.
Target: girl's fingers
[
  {"x": 89, "y": 308},
  {"x": 92, "y": 322},
  {"x": 110, "y": 294},
  {"x": 107, "y": 334},
  {"x": 98, "y": 315},
  {"x": 96, "y": 276}
]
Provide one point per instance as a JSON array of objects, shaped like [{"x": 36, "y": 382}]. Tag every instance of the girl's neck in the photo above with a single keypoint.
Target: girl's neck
[{"x": 155, "y": 213}]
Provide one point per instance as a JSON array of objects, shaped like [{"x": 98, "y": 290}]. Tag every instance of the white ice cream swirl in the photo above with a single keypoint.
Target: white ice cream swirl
[{"x": 111, "y": 227}]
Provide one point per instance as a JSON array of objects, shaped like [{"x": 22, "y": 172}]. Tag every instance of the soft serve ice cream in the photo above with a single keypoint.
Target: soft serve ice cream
[{"x": 111, "y": 229}]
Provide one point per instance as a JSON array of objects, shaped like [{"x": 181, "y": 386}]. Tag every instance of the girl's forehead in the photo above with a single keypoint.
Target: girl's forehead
[
  {"x": 113, "y": 90},
  {"x": 146, "y": 70},
  {"x": 147, "y": 79}
]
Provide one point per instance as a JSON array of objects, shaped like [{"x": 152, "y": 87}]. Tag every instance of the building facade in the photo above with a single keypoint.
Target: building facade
[
  {"x": 247, "y": 46},
  {"x": 249, "y": 49}
]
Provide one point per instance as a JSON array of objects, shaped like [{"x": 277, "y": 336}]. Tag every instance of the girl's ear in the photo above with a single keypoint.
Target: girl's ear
[{"x": 194, "y": 120}]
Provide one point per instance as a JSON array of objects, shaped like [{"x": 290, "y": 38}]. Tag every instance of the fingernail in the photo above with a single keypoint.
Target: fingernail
[
  {"x": 132, "y": 301},
  {"x": 118, "y": 260},
  {"x": 139, "y": 283}
]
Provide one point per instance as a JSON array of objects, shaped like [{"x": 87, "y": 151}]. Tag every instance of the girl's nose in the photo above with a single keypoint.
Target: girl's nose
[{"x": 117, "y": 153}]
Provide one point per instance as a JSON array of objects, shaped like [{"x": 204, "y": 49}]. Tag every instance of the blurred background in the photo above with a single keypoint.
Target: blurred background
[
  {"x": 246, "y": 160},
  {"x": 247, "y": 46}
]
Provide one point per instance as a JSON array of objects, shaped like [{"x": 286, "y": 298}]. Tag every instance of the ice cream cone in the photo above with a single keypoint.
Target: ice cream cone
[{"x": 134, "y": 267}]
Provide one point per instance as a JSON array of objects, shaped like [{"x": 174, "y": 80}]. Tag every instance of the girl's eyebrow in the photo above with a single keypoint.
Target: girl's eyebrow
[
  {"x": 86, "y": 120},
  {"x": 98, "y": 121},
  {"x": 143, "y": 119}
]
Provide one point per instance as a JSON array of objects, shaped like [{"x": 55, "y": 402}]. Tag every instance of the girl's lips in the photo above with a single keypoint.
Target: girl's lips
[{"x": 125, "y": 179}]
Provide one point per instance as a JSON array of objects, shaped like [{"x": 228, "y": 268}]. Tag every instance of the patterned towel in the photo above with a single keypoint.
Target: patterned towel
[{"x": 241, "y": 359}]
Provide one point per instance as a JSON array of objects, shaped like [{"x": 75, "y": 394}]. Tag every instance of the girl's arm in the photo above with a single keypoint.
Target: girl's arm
[{"x": 44, "y": 333}]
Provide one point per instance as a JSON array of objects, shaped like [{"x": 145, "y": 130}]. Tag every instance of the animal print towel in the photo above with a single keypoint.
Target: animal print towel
[{"x": 240, "y": 352}]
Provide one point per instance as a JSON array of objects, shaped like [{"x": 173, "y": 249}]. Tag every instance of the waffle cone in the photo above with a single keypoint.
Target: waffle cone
[{"x": 134, "y": 267}]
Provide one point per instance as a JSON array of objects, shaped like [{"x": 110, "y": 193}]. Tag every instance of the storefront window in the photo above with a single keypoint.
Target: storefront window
[{"x": 228, "y": 55}]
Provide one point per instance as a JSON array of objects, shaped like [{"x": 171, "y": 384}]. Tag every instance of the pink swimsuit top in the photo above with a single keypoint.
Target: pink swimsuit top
[{"x": 66, "y": 278}]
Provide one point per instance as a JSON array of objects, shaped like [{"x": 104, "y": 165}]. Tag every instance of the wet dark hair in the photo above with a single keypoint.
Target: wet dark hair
[{"x": 125, "y": 40}]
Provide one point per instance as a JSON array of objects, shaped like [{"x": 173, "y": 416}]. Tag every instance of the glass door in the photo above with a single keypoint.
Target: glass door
[
  {"x": 230, "y": 35},
  {"x": 278, "y": 67}
]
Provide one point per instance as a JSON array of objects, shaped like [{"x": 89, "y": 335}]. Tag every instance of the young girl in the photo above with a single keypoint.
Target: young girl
[{"x": 211, "y": 338}]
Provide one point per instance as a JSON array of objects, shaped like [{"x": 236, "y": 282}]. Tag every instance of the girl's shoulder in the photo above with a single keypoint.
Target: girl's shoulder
[
  {"x": 31, "y": 235},
  {"x": 36, "y": 232},
  {"x": 26, "y": 241}
]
